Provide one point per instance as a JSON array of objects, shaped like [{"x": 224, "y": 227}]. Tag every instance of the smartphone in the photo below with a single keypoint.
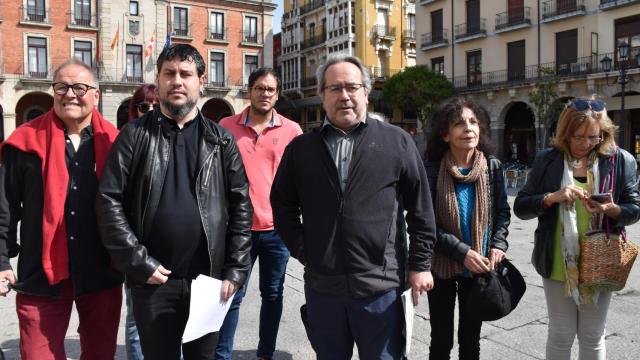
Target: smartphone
[{"x": 600, "y": 198}]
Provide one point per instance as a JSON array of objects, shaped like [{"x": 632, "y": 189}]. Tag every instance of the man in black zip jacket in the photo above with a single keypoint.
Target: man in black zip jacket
[
  {"x": 173, "y": 203},
  {"x": 338, "y": 201}
]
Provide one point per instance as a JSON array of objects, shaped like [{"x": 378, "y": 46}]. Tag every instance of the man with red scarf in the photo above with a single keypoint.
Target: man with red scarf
[{"x": 48, "y": 182}]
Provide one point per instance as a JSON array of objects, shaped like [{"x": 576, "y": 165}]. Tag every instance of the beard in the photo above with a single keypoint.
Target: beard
[
  {"x": 261, "y": 111},
  {"x": 179, "y": 111}
]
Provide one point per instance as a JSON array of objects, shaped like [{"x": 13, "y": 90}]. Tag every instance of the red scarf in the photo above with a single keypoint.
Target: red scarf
[{"x": 44, "y": 136}]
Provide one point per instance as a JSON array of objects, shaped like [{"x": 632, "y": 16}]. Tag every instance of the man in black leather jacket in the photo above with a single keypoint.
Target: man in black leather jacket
[{"x": 173, "y": 203}]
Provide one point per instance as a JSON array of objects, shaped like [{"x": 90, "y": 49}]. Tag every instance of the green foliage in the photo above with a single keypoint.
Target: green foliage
[
  {"x": 543, "y": 96},
  {"x": 419, "y": 88}
]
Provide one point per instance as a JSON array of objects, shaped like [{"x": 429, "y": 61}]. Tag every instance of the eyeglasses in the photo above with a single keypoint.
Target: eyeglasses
[
  {"x": 79, "y": 89},
  {"x": 269, "y": 91},
  {"x": 592, "y": 140},
  {"x": 587, "y": 104},
  {"x": 143, "y": 107},
  {"x": 337, "y": 89}
]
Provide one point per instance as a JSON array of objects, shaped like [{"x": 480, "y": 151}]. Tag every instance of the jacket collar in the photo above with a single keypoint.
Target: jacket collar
[{"x": 556, "y": 159}]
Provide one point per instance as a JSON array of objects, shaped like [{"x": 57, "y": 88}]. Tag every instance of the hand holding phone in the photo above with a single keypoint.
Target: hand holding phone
[{"x": 600, "y": 198}]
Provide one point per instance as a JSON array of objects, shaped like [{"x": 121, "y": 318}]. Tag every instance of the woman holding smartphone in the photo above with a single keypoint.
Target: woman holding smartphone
[{"x": 558, "y": 192}]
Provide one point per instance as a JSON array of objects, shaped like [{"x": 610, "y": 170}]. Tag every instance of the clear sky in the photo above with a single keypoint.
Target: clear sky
[{"x": 277, "y": 16}]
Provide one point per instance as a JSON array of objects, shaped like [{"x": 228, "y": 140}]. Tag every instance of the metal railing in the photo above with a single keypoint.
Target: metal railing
[
  {"x": 30, "y": 74},
  {"x": 310, "y": 6},
  {"x": 250, "y": 38},
  {"x": 133, "y": 79},
  {"x": 314, "y": 41},
  {"x": 580, "y": 68},
  {"x": 611, "y": 4},
  {"x": 513, "y": 17},
  {"x": 409, "y": 35},
  {"x": 84, "y": 20},
  {"x": 381, "y": 73},
  {"x": 470, "y": 29},
  {"x": 180, "y": 30},
  {"x": 553, "y": 8},
  {"x": 217, "y": 84},
  {"x": 344, "y": 29},
  {"x": 434, "y": 38},
  {"x": 216, "y": 34},
  {"x": 35, "y": 14},
  {"x": 384, "y": 31},
  {"x": 310, "y": 81}
]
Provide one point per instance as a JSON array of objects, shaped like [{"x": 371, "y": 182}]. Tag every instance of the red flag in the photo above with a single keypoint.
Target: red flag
[{"x": 149, "y": 49}]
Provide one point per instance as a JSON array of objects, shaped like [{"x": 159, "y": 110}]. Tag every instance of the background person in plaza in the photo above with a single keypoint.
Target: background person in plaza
[{"x": 262, "y": 135}]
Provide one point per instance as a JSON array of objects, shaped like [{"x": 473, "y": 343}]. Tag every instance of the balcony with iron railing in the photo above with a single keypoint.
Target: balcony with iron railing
[
  {"x": 581, "y": 68},
  {"x": 381, "y": 73},
  {"x": 286, "y": 49},
  {"x": 214, "y": 84},
  {"x": 310, "y": 6},
  {"x": 384, "y": 32},
  {"x": 35, "y": 75},
  {"x": 80, "y": 21},
  {"x": 469, "y": 31},
  {"x": 309, "y": 82},
  {"x": 134, "y": 79},
  {"x": 342, "y": 30},
  {"x": 216, "y": 35},
  {"x": 250, "y": 38},
  {"x": 181, "y": 31},
  {"x": 513, "y": 19},
  {"x": 612, "y": 4},
  {"x": 425, "y": 2},
  {"x": 314, "y": 41},
  {"x": 434, "y": 39},
  {"x": 409, "y": 36},
  {"x": 32, "y": 15},
  {"x": 561, "y": 9}
]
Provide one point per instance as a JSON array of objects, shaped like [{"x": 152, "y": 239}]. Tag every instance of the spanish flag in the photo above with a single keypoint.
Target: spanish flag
[
  {"x": 114, "y": 42},
  {"x": 149, "y": 49}
]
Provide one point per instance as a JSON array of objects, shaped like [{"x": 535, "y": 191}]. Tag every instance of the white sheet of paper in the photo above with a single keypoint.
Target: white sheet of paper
[
  {"x": 207, "y": 310},
  {"x": 407, "y": 306}
]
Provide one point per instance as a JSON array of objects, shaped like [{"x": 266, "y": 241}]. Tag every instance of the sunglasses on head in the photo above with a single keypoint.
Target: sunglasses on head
[
  {"x": 587, "y": 104},
  {"x": 144, "y": 107}
]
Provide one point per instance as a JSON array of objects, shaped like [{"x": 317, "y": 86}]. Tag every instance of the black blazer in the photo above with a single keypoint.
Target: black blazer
[
  {"x": 499, "y": 218},
  {"x": 546, "y": 176}
]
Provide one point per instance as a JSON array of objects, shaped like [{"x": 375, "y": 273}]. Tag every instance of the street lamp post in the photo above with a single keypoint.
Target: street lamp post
[{"x": 623, "y": 55}]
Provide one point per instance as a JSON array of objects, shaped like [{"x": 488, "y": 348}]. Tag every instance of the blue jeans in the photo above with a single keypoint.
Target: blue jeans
[
  {"x": 374, "y": 323},
  {"x": 132, "y": 339},
  {"x": 274, "y": 256}
]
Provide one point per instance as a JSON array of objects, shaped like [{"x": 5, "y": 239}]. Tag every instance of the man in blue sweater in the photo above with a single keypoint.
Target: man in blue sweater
[{"x": 338, "y": 201}]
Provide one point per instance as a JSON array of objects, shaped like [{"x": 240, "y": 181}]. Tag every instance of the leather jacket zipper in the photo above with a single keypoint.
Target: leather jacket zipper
[{"x": 207, "y": 160}]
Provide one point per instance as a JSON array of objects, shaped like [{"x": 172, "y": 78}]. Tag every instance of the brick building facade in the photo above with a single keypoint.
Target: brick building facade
[{"x": 233, "y": 36}]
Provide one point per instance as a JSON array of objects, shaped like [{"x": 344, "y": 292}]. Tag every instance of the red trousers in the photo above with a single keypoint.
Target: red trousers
[{"x": 44, "y": 322}]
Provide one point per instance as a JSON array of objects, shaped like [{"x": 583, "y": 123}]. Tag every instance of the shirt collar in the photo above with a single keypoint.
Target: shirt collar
[
  {"x": 170, "y": 126},
  {"x": 275, "y": 119},
  {"x": 86, "y": 132},
  {"x": 327, "y": 124}
]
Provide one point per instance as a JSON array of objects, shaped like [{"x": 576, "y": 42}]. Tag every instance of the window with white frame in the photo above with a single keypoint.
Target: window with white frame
[
  {"x": 134, "y": 63},
  {"x": 36, "y": 11},
  {"x": 250, "y": 65},
  {"x": 216, "y": 30},
  {"x": 216, "y": 69},
  {"x": 37, "y": 55},
  {"x": 251, "y": 29},
  {"x": 180, "y": 21},
  {"x": 82, "y": 12},
  {"x": 82, "y": 51}
]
